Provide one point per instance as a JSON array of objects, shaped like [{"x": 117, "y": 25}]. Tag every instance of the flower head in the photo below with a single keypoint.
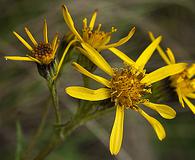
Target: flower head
[
  {"x": 184, "y": 81},
  {"x": 95, "y": 37},
  {"x": 127, "y": 88},
  {"x": 40, "y": 52}
]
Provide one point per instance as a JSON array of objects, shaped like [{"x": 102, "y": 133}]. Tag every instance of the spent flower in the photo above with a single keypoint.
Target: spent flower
[{"x": 127, "y": 88}]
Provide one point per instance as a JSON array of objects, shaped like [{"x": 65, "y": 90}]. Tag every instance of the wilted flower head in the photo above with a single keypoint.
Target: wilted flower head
[
  {"x": 95, "y": 37},
  {"x": 183, "y": 82},
  {"x": 126, "y": 88},
  {"x": 40, "y": 52}
]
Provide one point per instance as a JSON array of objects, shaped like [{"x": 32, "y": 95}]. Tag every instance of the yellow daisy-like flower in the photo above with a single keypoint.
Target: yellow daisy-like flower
[
  {"x": 183, "y": 82},
  {"x": 127, "y": 88},
  {"x": 95, "y": 37},
  {"x": 40, "y": 52}
]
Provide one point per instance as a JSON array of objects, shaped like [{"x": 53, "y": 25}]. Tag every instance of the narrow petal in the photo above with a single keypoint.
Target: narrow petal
[
  {"x": 160, "y": 50},
  {"x": 190, "y": 105},
  {"x": 63, "y": 56},
  {"x": 70, "y": 23},
  {"x": 45, "y": 36},
  {"x": 122, "y": 56},
  {"x": 18, "y": 58},
  {"x": 164, "y": 110},
  {"x": 159, "y": 129},
  {"x": 120, "y": 42},
  {"x": 180, "y": 97},
  {"x": 191, "y": 95},
  {"x": 93, "y": 19},
  {"x": 116, "y": 136},
  {"x": 88, "y": 94},
  {"x": 30, "y": 36},
  {"x": 191, "y": 71},
  {"x": 54, "y": 42},
  {"x": 147, "y": 53},
  {"x": 163, "y": 72},
  {"x": 96, "y": 58},
  {"x": 85, "y": 23},
  {"x": 170, "y": 55},
  {"x": 23, "y": 41},
  {"x": 92, "y": 76}
]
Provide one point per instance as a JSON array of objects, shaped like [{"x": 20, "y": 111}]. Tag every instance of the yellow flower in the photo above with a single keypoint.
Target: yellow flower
[
  {"x": 183, "y": 82},
  {"x": 40, "y": 52},
  {"x": 95, "y": 37},
  {"x": 127, "y": 88}
]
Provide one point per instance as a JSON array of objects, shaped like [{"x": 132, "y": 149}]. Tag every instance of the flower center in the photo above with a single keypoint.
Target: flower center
[
  {"x": 97, "y": 37},
  {"x": 126, "y": 88},
  {"x": 181, "y": 81},
  {"x": 43, "y": 52}
]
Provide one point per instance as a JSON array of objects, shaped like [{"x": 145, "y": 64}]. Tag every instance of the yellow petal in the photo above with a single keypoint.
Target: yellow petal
[
  {"x": 147, "y": 53},
  {"x": 171, "y": 55},
  {"x": 190, "y": 105},
  {"x": 93, "y": 19},
  {"x": 18, "y": 58},
  {"x": 160, "y": 50},
  {"x": 88, "y": 94},
  {"x": 116, "y": 136},
  {"x": 163, "y": 72},
  {"x": 23, "y": 41},
  {"x": 62, "y": 58},
  {"x": 30, "y": 36},
  {"x": 34, "y": 59},
  {"x": 85, "y": 23},
  {"x": 92, "y": 76},
  {"x": 70, "y": 23},
  {"x": 122, "y": 56},
  {"x": 164, "y": 110},
  {"x": 96, "y": 58},
  {"x": 120, "y": 42},
  {"x": 180, "y": 97},
  {"x": 159, "y": 129},
  {"x": 191, "y": 71},
  {"x": 191, "y": 95},
  {"x": 54, "y": 42},
  {"x": 45, "y": 32}
]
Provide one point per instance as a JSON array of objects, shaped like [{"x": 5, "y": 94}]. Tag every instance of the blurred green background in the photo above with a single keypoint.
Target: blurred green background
[{"x": 24, "y": 94}]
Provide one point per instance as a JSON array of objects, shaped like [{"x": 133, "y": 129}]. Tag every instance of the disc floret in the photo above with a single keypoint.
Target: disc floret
[
  {"x": 43, "y": 52},
  {"x": 126, "y": 88}
]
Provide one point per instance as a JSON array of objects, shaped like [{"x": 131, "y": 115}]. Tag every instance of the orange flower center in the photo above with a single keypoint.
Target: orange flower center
[{"x": 43, "y": 52}]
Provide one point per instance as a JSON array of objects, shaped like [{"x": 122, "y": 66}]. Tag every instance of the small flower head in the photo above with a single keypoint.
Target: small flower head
[
  {"x": 184, "y": 81},
  {"x": 40, "y": 52},
  {"x": 127, "y": 88},
  {"x": 97, "y": 38}
]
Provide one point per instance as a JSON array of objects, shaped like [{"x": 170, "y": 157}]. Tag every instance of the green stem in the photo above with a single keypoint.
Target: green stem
[
  {"x": 37, "y": 134},
  {"x": 56, "y": 141},
  {"x": 68, "y": 128},
  {"x": 53, "y": 91}
]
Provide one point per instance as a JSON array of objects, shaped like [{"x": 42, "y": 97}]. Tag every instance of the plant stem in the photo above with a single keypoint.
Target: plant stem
[
  {"x": 53, "y": 91},
  {"x": 56, "y": 141},
  {"x": 68, "y": 128},
  {"x": 37, "y": 134}
]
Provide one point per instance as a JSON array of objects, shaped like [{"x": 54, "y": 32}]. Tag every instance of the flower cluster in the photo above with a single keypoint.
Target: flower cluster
[{"x": 129, "y": 84}]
